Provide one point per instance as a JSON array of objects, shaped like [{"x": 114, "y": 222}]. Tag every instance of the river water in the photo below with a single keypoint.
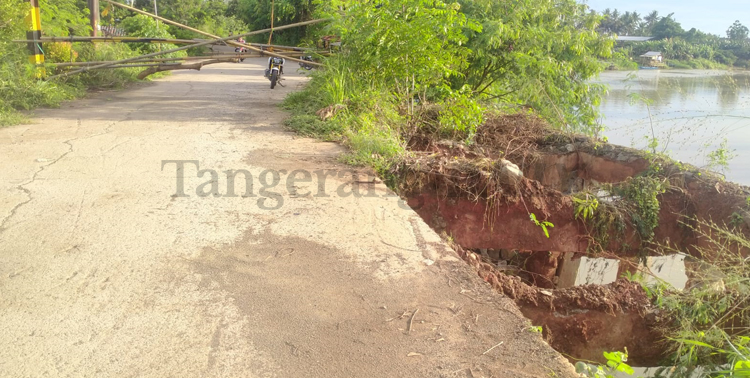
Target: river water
[{"x": 691, "y": 113}]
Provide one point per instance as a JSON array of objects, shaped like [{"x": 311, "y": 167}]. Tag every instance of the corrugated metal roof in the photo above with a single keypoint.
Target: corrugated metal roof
[
  {"x": 633, "y": 39},
  {"x": 650, "y": 54}
]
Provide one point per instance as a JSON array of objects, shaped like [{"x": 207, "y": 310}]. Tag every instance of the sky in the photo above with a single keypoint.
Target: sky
[{"x": 713, "y": 17}]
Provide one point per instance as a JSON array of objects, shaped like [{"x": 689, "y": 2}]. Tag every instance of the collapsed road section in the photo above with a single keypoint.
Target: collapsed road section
[{"x": 554, "y": 220}]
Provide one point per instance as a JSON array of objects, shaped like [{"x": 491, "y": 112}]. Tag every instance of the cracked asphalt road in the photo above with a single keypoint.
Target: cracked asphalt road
[{"x": 106, "y": 270}]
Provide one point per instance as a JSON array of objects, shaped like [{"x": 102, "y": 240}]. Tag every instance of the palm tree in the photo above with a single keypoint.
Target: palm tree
[{"x": 650, "y": 20}]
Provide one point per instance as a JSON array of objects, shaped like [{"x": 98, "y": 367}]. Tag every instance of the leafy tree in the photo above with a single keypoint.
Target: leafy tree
[
  {"x": 737, "y": 31},
  {"x": 537, "y": 53},
  {"x": 650, "y": 21},
  {"x": 667, "y": 27},
  {"x": 257, "y": 15},
  {"x": 64, "y": 17},
  {"x": 210, "y": 16},
  {"x": 408, "y": 45},
  {"x": 145, "y": 26}
]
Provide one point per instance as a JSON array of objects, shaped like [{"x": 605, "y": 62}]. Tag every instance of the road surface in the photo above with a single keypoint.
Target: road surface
[{"x": 114, "y": 262}]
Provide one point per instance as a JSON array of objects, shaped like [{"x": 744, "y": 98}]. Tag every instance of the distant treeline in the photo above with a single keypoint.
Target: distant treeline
[{"x": 682, "y": 49}]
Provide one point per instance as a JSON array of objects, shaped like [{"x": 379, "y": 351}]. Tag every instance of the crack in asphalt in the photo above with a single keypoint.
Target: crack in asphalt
[{"x": 22, "y": 187}]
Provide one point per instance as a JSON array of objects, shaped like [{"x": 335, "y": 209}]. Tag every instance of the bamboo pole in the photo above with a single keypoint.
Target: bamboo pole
[
  {"x": 191, "y": 46},
  {"x": 218, "y": 56},
  {"x": 110, "y": 39},
  {"x": 228, "y": 39},
  {"x": 192, "y": 66},
  {"x": 154, "y": 40},
  {"x": 228, "y": 56}
]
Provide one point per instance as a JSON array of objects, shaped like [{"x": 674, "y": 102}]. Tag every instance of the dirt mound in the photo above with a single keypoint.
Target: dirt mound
[
  {"x": 511, "y": 136},
  {"x": 515, "y": 136}
]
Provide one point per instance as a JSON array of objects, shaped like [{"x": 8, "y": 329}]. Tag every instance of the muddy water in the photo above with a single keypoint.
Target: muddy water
[{"x": 691, "y": 111}]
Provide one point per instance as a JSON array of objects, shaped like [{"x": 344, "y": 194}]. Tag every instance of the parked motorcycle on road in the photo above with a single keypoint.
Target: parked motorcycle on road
[
  {"x": 275, "y": 70},
  {"x": 305, "y": 65}
]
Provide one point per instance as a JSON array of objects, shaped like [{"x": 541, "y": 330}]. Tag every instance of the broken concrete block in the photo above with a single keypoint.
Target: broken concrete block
[
  {"x": 587, "y": 271},
  {"x": 669, "y": 269}
]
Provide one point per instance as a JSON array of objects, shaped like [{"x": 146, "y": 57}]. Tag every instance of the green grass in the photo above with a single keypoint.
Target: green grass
[
  {"x": 312, "y": 126},
  {"x": 21, "y": 90},
  {"x": 366, "y": 120}
]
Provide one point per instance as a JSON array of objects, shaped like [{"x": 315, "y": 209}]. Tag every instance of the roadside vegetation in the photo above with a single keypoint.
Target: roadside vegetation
[
  {"x": 459, "y": 62},
  {"x": 468, "y": 61},
  {"x": 441, "y": 69},
  {"x": 21, "y": 87},
  {"x": 681, "y": 48}
]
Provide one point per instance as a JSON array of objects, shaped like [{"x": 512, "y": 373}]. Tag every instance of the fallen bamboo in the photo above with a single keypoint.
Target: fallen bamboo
[
  {"x": 193, "y": 66},
  {"x": 157, "y": 40},
  {"x": 217, "y": 56},
  {"x": 110, "y": 39},
  {"x": 228, "y": 39},
  {"x": 192, "y": 46},
  {"x": 140, "y": 65}
]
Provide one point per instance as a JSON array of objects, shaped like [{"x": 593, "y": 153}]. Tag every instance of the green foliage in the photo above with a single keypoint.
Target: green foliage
[
  {"x": 400, "y": 58},
  {"x": 616, "y": 363},
  {"x": 737, "y": 31},
  {"x": 585, "y": 206},
  {"x": 64, "y": 17},
  {"x": 720, "y": 157},
  {"x": 535, "y": 329},
  {"x": 682, "y": 49},
  {"x": 20, "y": 89},
  {"x": 541, "y": 54},
  {"x": 146, "y": 27},
  {"x": 461, "y": 116},
  {"x": 58, "y": 52},
  {"x": 368, "y": 123},
  {"x": 406, "y": 46},
  {"x": 257, "y": 15},
  {"x": 667, "y": 27},
  {"x": 640, "y": 195},
  {"x": 211, "y": 16},
  {"x": 109, "y": 78},
  {"x": 311, "y": 125},
  {"x": 709, "y": 318},
  {"x": 544, "y": 225}
]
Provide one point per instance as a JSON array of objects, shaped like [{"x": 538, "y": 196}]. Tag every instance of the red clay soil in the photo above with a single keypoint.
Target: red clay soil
[
  {"x": 580, "y": 169},
  {"x": 457, "y": 189},
  {"x": 503, "y": 223},
  {"x": 583, "y": 321}
]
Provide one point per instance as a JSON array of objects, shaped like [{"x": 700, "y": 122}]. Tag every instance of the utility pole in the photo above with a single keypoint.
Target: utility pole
[
  {"x": 34, "y": 34},
  {"x": 94, "y": 17}
]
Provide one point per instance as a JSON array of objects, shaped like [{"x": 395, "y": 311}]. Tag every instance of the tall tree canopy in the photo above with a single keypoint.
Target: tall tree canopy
[
  {"x": 667, "y": 27},
  {"x": 737, "y": 31}
]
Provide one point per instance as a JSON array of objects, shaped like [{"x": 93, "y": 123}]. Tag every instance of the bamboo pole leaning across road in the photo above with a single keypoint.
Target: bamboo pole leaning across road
[
  {"x": 229, "y": 39},
  {"x": 111, "y": 39},
  {"x": 194, "y": 45},
  {"x": 218, "y": 56}
]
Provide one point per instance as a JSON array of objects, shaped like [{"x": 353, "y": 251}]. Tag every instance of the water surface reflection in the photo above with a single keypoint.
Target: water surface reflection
[{"x": 691, "y": 113}]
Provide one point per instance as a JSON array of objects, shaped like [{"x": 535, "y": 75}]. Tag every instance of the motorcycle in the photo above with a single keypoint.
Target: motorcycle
[
  {"x": 274, "y": 73},
  {"x": 240, "y": 50},
  {"x": 305, "y": 65}
]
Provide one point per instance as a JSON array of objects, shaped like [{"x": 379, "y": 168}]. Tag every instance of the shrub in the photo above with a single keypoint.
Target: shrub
[{"x": 59, "y": 52}]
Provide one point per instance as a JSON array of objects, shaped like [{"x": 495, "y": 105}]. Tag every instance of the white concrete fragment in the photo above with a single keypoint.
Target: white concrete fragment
[
  {"x": 669, "y": 269},
  {"x": 587, "y": 271}
]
